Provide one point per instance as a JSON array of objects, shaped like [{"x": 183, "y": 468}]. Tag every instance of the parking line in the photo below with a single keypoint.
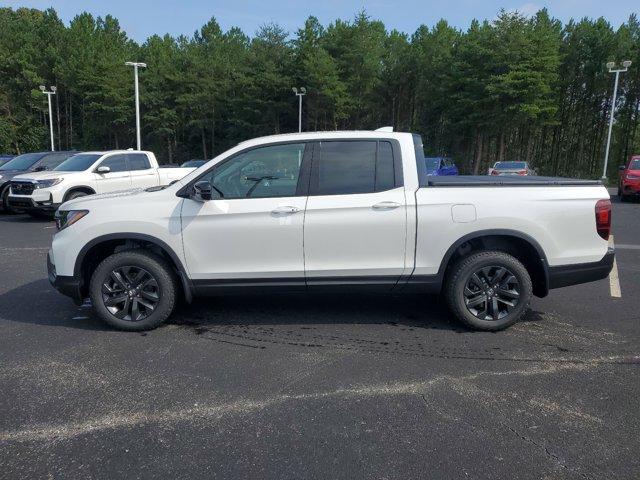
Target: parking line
[
  {"x": 614, "y": 280},
  {"x": 623, "y": 246}
]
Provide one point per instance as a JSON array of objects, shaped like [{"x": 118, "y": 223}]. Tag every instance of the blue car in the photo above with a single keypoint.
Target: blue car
[{"x": 440, "y": 166}]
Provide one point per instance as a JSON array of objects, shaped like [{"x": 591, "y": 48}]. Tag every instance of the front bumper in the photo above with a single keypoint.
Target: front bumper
[
  {"x": 69, "y": 286},
  {"x": 28, "y": 203},
  {"x": 565, "y": 275}
]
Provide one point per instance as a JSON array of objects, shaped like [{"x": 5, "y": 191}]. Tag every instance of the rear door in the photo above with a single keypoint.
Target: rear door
[
  {"x": 143, "y": 175},
  {"x": 355, "y": 224},
  {"x": 119, "y": 177}
]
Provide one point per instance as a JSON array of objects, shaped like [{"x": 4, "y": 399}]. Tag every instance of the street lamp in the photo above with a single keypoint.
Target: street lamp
[
  {"x": 299, "y": 94},
  {"x": 612, "y": 69},
  {"x": 135, "y": 66},
  {"x": 43, "y": 89}
]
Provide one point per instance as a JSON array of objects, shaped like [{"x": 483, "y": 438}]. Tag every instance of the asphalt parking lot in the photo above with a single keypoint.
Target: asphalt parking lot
[{"x": 318, "y": 387}]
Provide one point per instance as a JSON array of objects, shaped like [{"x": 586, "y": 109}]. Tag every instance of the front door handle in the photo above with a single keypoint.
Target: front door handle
[
  {"x": 386, "y": 205},
  {"x": 285, "y": 209}
]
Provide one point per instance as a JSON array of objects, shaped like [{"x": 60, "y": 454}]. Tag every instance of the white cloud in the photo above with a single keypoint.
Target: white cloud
[{"x": 527, "y": 9}]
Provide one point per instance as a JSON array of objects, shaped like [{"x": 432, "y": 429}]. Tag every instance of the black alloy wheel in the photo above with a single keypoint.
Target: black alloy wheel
[
  {"x": 491, "y": 293},
  {"x": 130, "y": 293}
]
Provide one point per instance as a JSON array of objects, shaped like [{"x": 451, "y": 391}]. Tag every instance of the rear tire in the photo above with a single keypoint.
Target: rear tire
[
  {"x": 488, "y": 290},
  {"x": 133, "y": 290}
]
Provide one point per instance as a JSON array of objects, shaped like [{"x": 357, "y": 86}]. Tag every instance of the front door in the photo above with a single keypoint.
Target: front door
[
  {"x": 355, "y": 223},
  {"x": 118, "y": 177},
  {"x": 251, "y": 232}
]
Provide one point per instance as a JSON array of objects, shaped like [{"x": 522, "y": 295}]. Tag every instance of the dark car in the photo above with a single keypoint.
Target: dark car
[
  {"x": 194, "y": 163},
  {"x": 440, "y": 166},
  {"x": 5, "y": 158},
  {"x": 28, "y": 162}
]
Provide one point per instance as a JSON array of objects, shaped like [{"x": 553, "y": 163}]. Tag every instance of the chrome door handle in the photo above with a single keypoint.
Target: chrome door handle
[
  {"x": 285, "y": 209},
  {"x": 386, "y": 205}
]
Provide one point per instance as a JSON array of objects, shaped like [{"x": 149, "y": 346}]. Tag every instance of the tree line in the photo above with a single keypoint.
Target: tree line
[{"x": 513, "y": 88}]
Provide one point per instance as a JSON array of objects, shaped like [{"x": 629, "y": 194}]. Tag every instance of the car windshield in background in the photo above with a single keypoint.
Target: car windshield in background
[
  {"x": 194, "y": 163},
  {"x": 635, "y": 164},
  {"x": 78, "y": 163},
  {"x": 432, "y": 163},
  {"x": 510, "y": 165},
  {"x": 22, "y": 162}
]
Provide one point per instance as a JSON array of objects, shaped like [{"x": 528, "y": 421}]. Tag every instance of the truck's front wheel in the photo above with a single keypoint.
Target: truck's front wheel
[
  {"x": 133, "y": 290},
  {"x": 488, "y": 290}
]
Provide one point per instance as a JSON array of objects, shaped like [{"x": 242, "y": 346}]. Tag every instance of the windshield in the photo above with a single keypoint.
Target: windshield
[
  {"x": 23, "y": 162},
  {"x": 635, "y": 164},
  {"x": 78, "y": 163},
  {"x": 510, "y": 165},
  {"x": 432, "y": 163}
]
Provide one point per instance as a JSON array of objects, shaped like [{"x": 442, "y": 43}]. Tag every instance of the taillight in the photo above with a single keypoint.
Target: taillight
[
  {"x": 603, "y": 218},
  {"x": 522, "y": 172}
]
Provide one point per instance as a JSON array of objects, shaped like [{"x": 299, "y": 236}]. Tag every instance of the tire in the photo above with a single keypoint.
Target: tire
[
  {"x": 129, "y": 310},
  {"x": 5, "y": 207},
  {"x": 72, "y": 195},
  {"x": 474, "y": 302}
]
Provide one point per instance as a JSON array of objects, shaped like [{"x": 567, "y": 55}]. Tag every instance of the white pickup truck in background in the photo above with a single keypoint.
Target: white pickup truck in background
[
  {"x": 88, "y": 173},
  {"x": 332, "y": 210}
]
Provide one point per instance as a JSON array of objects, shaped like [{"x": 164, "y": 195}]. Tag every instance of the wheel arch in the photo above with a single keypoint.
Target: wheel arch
[
  {"x": 522, "y": 246},
  {"x": 101, "y": 247},
  {"x": 79, "y": 188}
]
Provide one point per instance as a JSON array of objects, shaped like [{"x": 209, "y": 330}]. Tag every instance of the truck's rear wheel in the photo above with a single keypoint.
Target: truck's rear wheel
[
  {"x": 133, "y": 290},
  {"x": 488, "y": 290}
]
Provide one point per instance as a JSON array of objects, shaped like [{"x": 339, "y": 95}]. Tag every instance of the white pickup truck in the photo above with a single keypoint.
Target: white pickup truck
[
  {"x": 318, "y": 211},
  {"x": 88, "y": 173}
]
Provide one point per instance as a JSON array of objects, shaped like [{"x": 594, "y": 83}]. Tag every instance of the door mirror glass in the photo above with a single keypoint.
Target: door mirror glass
[
  {"x": 202, "y": 191},
  {"x": 103, "y": 169}
]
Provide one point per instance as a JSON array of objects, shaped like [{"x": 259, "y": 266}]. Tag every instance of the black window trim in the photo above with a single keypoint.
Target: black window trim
[
  {"x": 397, "y": 163},
  {"x": 303, "y": 177}
]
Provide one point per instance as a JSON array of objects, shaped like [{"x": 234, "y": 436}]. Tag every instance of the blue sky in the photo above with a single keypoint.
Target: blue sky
[{"x": 141, "y": 18}]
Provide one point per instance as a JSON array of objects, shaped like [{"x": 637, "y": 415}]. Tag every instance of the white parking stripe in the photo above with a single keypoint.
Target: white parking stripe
[
  {"x": 623, "y": 246},
  {"x": 614, "y": 280}
]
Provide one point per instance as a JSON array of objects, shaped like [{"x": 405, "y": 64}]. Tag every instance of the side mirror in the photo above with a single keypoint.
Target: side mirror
[
  {"x": 41, "y": 168},
  {"x": 202, "y": 191},
  {"x": 622, "y": 167},
  {"x": 103, "y": 169}
]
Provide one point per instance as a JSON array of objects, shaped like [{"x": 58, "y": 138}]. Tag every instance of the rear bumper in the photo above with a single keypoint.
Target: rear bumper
[
  {"x": 69, "y": 286},
  {"x": 565, "y": 275},
  {"x": 28, "y": 203}
]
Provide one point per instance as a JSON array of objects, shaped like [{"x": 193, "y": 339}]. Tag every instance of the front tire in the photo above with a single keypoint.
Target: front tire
[
  {"x": 488, "y": 290},
  {"x": 133, "y": 290},
  {"x": 5, "y": 197}
]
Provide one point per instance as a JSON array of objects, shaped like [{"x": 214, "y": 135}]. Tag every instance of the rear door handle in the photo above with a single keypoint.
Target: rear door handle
[
  {"x": 285, "y": 209},
  {"x": 386, "y": 205}
]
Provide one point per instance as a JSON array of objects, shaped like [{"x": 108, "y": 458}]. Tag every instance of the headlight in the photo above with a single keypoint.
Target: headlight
[
  {"x": 66, "y": 218},
  {"x": 632, "y": 177},
  {"x": 48, "y": 183}
]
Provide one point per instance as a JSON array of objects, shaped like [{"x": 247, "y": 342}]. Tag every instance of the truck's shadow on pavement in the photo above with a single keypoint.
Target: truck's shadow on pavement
[{"x": 38, "y": 303}]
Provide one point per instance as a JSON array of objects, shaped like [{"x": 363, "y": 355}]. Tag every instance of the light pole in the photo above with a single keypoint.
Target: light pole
[
  {"x": 135, "y": 66},
  {"x": 612, "y": 69},
  {"x": 299, "y": 94},
  {"x": 43, "y": 89}
]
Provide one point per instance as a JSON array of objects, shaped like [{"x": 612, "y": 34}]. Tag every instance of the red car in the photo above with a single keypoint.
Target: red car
[{"x": 629, "y": 179}]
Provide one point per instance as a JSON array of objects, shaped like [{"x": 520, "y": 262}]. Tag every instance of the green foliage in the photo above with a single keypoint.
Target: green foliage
[{"x": 512, "y": 88}]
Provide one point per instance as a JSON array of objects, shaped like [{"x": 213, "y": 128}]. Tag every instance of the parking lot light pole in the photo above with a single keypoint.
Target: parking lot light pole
[
  {"x": 135, "y": 66},
  {"x": 43, "y": 89},
  {"x": 299, "y": 94},
  {"x": 612, "y": 69}
]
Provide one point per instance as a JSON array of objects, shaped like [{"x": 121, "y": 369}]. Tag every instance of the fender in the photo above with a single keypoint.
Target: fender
[{"x": 182, "y": 272}]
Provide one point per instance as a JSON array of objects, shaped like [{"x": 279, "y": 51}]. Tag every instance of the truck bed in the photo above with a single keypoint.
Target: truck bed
[{"x": 503, "y": 181}]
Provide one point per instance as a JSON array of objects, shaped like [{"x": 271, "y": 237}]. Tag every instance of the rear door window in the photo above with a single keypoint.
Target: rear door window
[
  {"x": 352, "y": 167},
  {"x": 138, "y": 161}
]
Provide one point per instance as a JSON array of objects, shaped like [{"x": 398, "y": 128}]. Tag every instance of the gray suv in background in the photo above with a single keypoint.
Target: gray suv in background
[{"x": 28, "y": 162}]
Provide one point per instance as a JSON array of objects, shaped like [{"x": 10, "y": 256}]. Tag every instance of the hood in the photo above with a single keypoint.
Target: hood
[
  {"x": 103, "y": 196},
  {"x": 6, "y": 175},
  {"x": 44, "y": 175}
]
